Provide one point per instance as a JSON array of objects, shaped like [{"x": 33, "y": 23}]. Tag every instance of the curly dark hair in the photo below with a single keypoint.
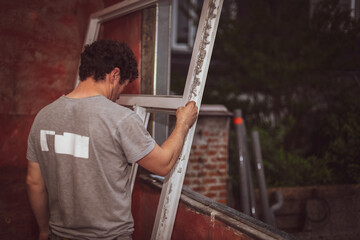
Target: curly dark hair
[{"x": 101, "y": 57}]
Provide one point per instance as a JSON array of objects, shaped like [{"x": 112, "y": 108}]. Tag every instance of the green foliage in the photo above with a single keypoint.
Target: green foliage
[
  {"x": 284, "y": 168},
  {"x": 295, "y": 78}
]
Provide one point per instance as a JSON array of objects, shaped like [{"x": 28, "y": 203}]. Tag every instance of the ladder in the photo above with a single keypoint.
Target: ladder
[{"x": 194, "y": 88}]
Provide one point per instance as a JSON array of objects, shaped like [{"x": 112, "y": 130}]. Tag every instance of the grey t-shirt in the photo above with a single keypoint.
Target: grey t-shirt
[{"x": 83, "y": 147}]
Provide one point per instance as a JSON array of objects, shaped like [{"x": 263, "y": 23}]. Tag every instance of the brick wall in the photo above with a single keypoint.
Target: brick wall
[{"x": 207, "y": 170}]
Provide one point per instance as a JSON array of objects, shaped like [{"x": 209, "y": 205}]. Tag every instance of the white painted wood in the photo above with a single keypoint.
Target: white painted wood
[
  {"x": 195, "y": 83},
  {"x": 122, "y": 8},
  {"x": 151, "y": 101}
]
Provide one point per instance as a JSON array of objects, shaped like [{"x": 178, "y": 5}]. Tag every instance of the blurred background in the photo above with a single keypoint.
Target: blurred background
[
  {"x": 291, "y": 66},
  {"x": 293, "y": 69}
]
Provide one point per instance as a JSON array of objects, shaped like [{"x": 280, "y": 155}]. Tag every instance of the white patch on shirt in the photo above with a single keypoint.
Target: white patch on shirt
[
  {"x": 68, "y": 143},
  {"x": 43, "y": 142}
]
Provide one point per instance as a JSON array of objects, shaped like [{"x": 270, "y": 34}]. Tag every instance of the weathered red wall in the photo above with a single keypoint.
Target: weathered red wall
[
  {"x": 128, "y": 29},
  {"x": 40, "y": 45},
  {"x": 189, "y": 223}
]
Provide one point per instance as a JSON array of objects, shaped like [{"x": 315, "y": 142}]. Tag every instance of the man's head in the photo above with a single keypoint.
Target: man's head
[{"x": 101, "y": 57}]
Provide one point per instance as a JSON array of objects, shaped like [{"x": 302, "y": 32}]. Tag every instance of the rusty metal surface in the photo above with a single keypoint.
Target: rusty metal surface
[{"x": 198, "y": 217}]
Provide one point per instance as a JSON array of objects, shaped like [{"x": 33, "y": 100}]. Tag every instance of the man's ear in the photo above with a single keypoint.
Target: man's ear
[{"x": 115, "y": 75}]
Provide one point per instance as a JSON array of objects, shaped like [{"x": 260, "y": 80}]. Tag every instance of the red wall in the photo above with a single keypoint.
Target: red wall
[
  {"x": 189, "y": 224},
  {"x": 127, "y": 29},
  {"x": 40, "y": 46},
  {"x": 41, "y": 42}
]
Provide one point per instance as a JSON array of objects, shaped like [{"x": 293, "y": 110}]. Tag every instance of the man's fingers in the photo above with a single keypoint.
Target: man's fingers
[{"x": 191, "y": 102}]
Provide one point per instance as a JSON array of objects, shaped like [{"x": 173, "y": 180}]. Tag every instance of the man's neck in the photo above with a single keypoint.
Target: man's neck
[{"x": 88, "y": 88}]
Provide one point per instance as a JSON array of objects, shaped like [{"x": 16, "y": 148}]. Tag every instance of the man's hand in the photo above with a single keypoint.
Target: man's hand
[
  {"x": 44, "y": 235},
  {"x": 187, "y": 115}
]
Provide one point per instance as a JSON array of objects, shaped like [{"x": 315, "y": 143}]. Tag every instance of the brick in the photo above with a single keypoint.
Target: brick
[
  {"x": 223, "y": 166},
  {"x": 192, "y": 174},
  {"x": 218, "y": 187},
  {"x": 211, "y": 166},
  {"x": 212, "y": 140},
  {"x": 209, "y": 180},
  {"x": 202, "y": 174},
  {"x": 223, "y": 194},
  {"x": 225, "y": 153},
  {"x": 216, "y": 173},
  {"x": 212, "y": 174},
  {"x": 203, "y": 147},
  {"x": 195, "y": 181},
  {"x": 210, "y": 170},
  {"x": 218, "y": 159},
  {"x": 187, "y": 182},
  {"x": 197, "y": 154},
  {"x": 210, "y": 195},
  {"x": 198, "y": 189},
  {"x": 219, "y": 146},
  {"x": 214, "y": 134},
  {"x": 197, "y": 159},
  {"x": 195, "y": 167},
  {"x": 211, "y": 153},
  {"x": 222, "y": 179}
]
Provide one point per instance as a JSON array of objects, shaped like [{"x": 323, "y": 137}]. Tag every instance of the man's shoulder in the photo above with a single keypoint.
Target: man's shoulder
[
  {"x": 98, "y": 106},
  {"x": 44, "y": 115},
  {"x": 49, "y": 107}
]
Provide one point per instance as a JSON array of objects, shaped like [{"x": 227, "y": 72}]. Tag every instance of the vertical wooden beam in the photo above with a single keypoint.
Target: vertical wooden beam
[{"x": 148, "y": 39}]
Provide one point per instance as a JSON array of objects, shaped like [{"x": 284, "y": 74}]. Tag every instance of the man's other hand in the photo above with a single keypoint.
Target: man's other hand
[
  {"x": 44, "y": 235},
  {"x": 187, "y": 115}
]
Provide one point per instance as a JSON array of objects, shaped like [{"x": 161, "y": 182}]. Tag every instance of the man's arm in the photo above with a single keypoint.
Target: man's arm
[
  {"x": 38, "y": 198},
  {"x": 161, "y": 159}
]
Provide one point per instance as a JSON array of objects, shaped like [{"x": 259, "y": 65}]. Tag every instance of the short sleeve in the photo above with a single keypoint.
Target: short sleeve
[{"x": 135, "y": 140}]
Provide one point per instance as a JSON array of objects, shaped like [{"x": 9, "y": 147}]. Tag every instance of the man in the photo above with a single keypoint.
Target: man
[{"x": 80, "y": 145}]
